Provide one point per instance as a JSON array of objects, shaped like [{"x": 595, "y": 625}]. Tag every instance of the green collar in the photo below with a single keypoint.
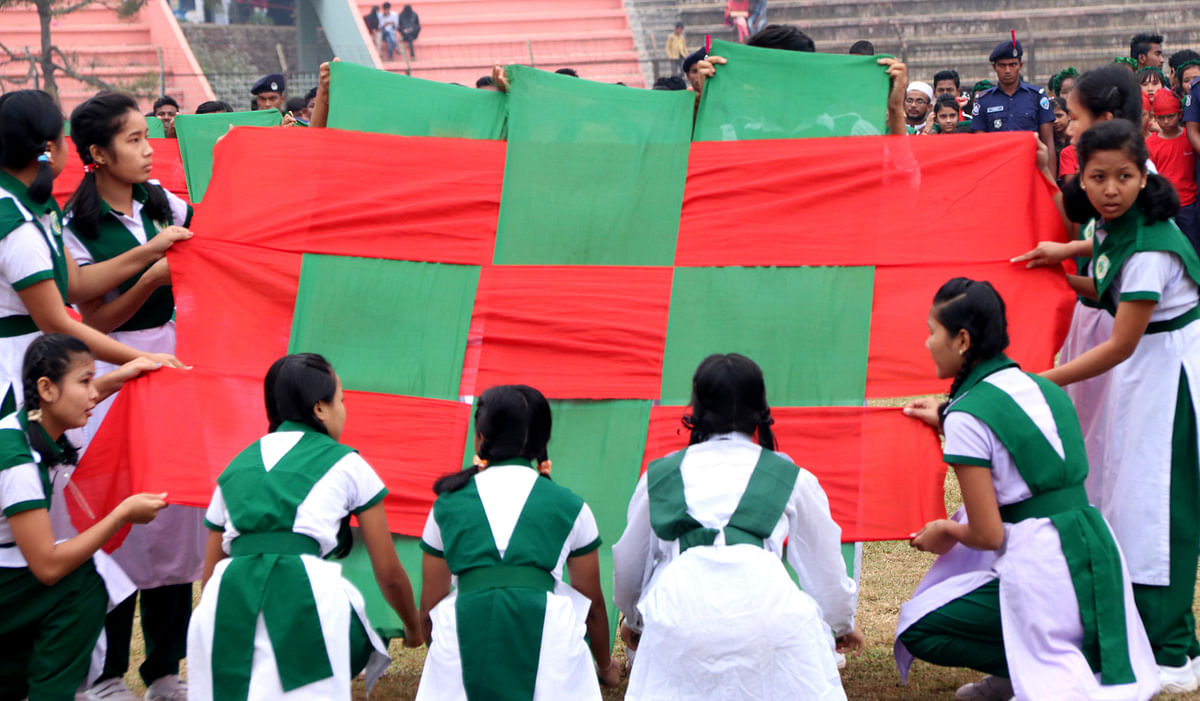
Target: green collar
[
  {"x": 55, "y": 447},
  {"x": 299, "y": 426},
  {"x": 18, "y": 190},
  {"x": 140, "y": 194},
  {"x": 1126, "y": 223},
  {"x": 981, "y": 370},
  {"x": 512, "y": 461}
]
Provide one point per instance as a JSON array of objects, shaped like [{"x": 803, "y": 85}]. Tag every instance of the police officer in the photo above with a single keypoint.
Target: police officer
[
  {"x": 270, "y": 92},
  {"x": 1013, "y": 105}
]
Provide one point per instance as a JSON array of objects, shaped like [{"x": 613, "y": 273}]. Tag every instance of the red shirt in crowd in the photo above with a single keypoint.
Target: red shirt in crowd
[
  {"x": 1068, "y": 162},
  {"x": 1176, "y": 162}
]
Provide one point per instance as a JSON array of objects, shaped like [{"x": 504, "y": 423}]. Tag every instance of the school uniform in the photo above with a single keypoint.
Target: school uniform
[
  {"x": 166, "y": 555},
  {"x": 1053, "y": 609},
  {"x": 699, "y": 571},
  {"x": 276, "y": 621},
  {"x": 47, "y": 633},
  {"x": 1146, "y": 480},
  {"x": 511, "y": 630},
  {"x": 31, "y": 250}
]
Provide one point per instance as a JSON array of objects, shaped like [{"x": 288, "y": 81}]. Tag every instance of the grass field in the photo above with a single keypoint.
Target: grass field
[{"x": 890, "y": 572}]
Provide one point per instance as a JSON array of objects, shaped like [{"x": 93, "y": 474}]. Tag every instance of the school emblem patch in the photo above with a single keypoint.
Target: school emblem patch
[
  {"x": 55, "y": 224},
  {"x": 1102, "y": 266},
  {"x": 1089, "y": 231}
]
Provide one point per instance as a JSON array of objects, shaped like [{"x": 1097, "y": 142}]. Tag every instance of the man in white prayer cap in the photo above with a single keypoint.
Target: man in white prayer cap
[{"x": 917, "y": 102}]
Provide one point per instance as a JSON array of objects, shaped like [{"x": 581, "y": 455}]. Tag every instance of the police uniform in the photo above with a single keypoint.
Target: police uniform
[
  {"x": 269, "y": 83},
  {"x": 1025, "y": 110}
]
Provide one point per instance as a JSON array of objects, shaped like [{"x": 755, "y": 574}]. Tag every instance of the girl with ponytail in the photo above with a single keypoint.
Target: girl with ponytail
[
  {"x": 51, "y": 592},
  {"x": 37, "y": 275},
  {"x": 1026, "y": 548},
  {"x": 705, "y": 532},
  {"x": 117, "y": 211},
  {"x": 512, "y": 628},
  {"x": 276, "y": 620}
]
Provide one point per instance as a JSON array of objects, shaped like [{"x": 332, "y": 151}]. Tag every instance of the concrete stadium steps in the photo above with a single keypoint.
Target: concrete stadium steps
[
  {"x": 934, "y": 34},
  {"x": 462, "y": 39},
  {"x": 134, "y": 54}
]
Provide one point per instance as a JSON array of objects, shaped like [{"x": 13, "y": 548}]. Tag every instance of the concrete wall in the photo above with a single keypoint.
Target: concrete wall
[{"x": 233, "y": 56}]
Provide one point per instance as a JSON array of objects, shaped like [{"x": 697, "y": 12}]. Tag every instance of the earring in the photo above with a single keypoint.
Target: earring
[{"x": 961, "y": 351}]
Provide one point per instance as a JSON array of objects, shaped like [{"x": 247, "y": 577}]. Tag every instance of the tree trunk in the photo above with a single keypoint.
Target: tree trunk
[{"x": 47, "y": 62}]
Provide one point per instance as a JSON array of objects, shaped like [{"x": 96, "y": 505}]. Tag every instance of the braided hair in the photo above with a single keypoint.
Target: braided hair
[
  {"x": 97, "y": 122},
  {"x": 513, "y": 421},
  {"x": 50, "y": 356},
  {"x": 29, "y": 122},
  {"x": 976, "y": 307},
  {"x": 729, "y": 395}
]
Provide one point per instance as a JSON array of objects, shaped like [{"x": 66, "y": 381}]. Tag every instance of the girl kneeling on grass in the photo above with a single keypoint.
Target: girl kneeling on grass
[
  {"x": 52, "y": 597},
  {"x": 512, "y": 630},
  {"x": 1052, "y": 616},
  {"x": 698, "y": 571},
  {"x": 276, "y": 620}
]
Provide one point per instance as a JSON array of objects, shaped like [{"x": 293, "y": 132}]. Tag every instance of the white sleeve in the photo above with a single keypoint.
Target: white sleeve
[
  {"x": 25, "y": 257},
  {"x": 76, "y": 248},
  {"x": 814, "y": 550},
  {"x": 214, "y": 517},
  {"x": 431, "y": 537},
  {"x": 585, "y": 534},
  {"x": 21, "y": 489},
  {"x": 633, "y": 556},
  {"x": 179, "y": 208},
  {"x": 968, "y": 440},
  {"x": 1145, "y": 275},
  {"x": 365, "y": 487}
]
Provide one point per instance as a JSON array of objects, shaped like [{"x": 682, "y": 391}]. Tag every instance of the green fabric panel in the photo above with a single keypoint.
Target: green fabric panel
[
  {"x": 387, "y": 326},
  {"x": 594, "y": 173},
  {"x": 197, "y": 135},
  {"x": 764, "y": 501},
  {"x": 744, "y": 310},
  {"x": 155, "y": 128},
  {"x": 356, "y": 567},
  {"x": 499, "y": 637},
  {"x": 366, "y": 99},
  {"x": 773, "y": 94}
]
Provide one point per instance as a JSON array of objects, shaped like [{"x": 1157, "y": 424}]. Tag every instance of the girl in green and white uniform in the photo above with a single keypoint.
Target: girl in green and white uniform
[
  {"x": 1146, "y": 478},
  {"x": 51, "y": 594},
  {"x": 699, "y": 570},
  {"x": 1029, "y": 585},
  {"x": 37, "y": 276},
  {"x": 500, "y": 535},
  {"x": 276, "y": 621},
  {"x": 115, "y": 210}
]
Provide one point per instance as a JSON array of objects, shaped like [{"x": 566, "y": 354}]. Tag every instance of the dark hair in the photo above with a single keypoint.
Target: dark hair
[
  {"x": 1180, "y": 60},
  {"x": 679, "y": 25},
  {"x": 782, "y": 36},
  {"x": 862, "y": 47},
  {"x": 1111, "y": 88},
  {"x": 568, "y": 71},
  {"x": 49, "y": 356},
  {"x": 514, "y": 422},
  {"x": 948, "y": 74},
  {"x": 96, "y": 122},
  {"x": 295, "y": 104},
  {"x": 945, "y": 102},
  {"x": 729, "y": 394},
  {"x": 213, "y": 106},
  {"x": 29, "y": 121},
  {"x": 1151, "y": 73},
  {"x": 484, "y": 82},
  {"x": 293, "y": 385},
  {"x": 670, "y": 82},
  {"x": 1158, "y": 200},
  {"x": 974, "y": 306},
  {"x": 165, "y": 100},
  {"x": 1058, "y": 103},
  {"x": 1140, "y": 44},
  {"x": 310, "y": 95},
  {"x": 1057, "y": 79},
  {"x": 387, "y": 6}
]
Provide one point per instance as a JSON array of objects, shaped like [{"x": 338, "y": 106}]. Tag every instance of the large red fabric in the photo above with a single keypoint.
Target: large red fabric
[
  {"x": 882, "y": 471},
  {"x": 538, "y": 322},
  {"x": 920, "y": 211},
  {"x": 168, "y": 170}
]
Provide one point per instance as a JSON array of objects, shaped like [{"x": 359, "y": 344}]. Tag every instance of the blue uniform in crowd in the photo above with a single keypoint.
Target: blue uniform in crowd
[{"x": 1025, "y": 110}]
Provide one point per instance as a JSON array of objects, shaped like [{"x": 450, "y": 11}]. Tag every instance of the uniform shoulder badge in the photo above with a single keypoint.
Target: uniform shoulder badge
[
  {"x": 55, "y": 224},
  {"x": 975, "y": 109},
  {"x": 1045, "y": 103},
  {"x": 1089, "y": 231},
  {"x": 1102, "y": 266}
]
